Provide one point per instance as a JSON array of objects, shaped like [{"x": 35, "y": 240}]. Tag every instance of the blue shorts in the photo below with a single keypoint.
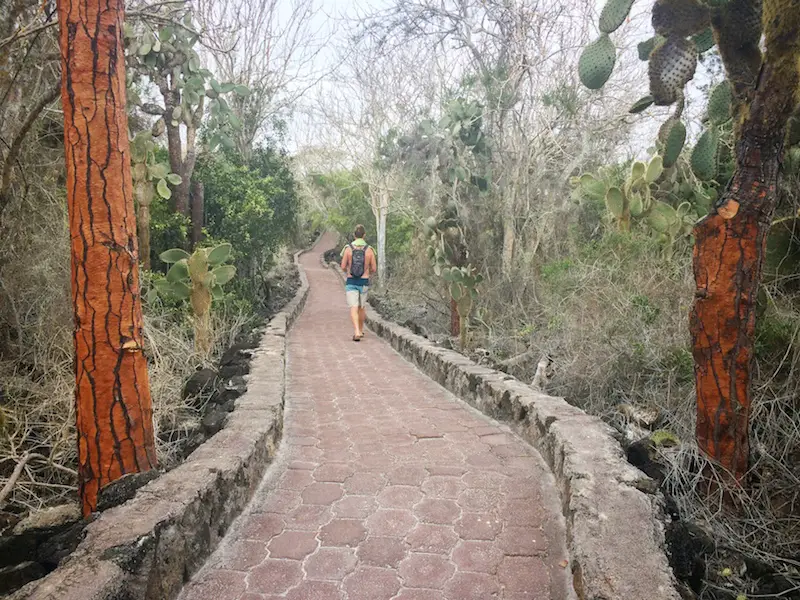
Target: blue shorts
[{"x": 356, "y": 294}]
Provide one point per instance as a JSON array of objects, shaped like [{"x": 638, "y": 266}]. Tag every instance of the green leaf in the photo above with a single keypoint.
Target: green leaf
[
  {"x": 165, "y": 33},
  {"x": 212, "y": 94},
  {"x": 227, "y": 142},
  {"x": 227, "y": 88},
  {"x": 235, "y": 121},
  {"x": 173, "y": 255},
  {"x": 215, "y": 86},
  {"x": 224, "y": 274},
  {"x": 217, "y": 292},
  {"x": 174, "y": 178},
  {"x": 456, "y": 291},
  {"x": 178, "y": 272},
  {"x": 163, "y": 189},
  {"x": 242, "y": 90},
  {"x": 219, "y": 254},
  {"x": 145, "y": 48}
]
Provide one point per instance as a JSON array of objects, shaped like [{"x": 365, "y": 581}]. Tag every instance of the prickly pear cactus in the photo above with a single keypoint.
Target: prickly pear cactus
[
  {"x": 719, "y": 103},
  {"x": 614, "y": 14},
  {"x": 444, "y": 240},
  {"x": 673, "y": 141},
  {"x": 597, "y": 62},
  {"x": 704, "y": 155},
  {"x": 641, "y": 105},
  {"x": 704, "y": 40},
  {"x": 680, "y": 18},
  {"x": 645, "y": 48},
  {"x": 197, "y": 277},
  {"x": 672, "y": 66}
]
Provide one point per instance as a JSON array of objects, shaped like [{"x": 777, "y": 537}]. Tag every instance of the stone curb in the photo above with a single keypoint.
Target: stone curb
[
  {"x": 615, "y": 532},
  {"x": 147, "y": 548}
]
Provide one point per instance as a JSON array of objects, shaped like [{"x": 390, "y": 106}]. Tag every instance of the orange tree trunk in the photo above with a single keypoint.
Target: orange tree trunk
[
  {"x": 729, "y": 251},
  {"x": 114, "y": 410}
]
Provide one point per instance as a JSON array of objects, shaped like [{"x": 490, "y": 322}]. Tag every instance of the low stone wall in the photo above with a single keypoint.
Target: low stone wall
[
  {"x": 148, "y": 547},
  {"x": 613, "y": 512}
]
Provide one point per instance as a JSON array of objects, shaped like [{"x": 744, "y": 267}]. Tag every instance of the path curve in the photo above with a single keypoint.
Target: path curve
[{"x": 386, "y": 487}]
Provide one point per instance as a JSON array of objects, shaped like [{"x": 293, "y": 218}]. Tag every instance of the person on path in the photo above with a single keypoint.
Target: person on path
[{"x": 359, "y": 264}]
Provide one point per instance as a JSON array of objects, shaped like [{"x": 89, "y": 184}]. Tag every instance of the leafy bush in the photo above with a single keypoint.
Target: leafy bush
[{"x": 253, "y": 207}]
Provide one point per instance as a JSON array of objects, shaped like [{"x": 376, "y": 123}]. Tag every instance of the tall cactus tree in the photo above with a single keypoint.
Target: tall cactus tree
[
  {"x": 730, "y": 242},
  {"x": 113, "y": 405}
]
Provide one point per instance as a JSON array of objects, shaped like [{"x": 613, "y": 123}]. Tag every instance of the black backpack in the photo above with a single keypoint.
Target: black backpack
[{"x": 358, "y": 261}]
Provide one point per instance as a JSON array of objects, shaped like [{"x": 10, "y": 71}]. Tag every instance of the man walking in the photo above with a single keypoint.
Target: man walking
[{"x": 358, "y": 263}]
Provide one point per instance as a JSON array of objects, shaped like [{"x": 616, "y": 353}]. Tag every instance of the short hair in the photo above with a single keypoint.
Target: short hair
[{"x": 360, "y": 232}]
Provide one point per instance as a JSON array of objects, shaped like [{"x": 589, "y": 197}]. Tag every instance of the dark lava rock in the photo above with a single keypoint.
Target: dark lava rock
[
  {"x": 14, "y": 577},
  {"x": 214, "y": 420},
  {"x": 201, "y": 384},
  {"x": 59, "y": 546},
  {"x": 642, "y": 455},
  {"x": 688, "y": 548},
  {"x": 415, "y": 328},
  {"x": 331, "y": 255},
  {"x": 123, "y": 489},
  {"x": 235, "y": 361},
  {"x": 233, "y": 389}
]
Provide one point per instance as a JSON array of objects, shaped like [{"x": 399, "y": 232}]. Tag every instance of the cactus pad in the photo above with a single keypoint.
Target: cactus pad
[
  {"x": 597, "y": 62},
  {"x": 704, "y": 155},
  {"x": 704, "y": 40},
  {"x": 645, "y": 48},
  {"x": 680, "y": 18},
  {"x": 636, "y": 205},
  {"x": 673, "y": 141},
  {"x": 719, "y": 103},
  {"x": 614, "y": 14},
  {"x": 662, "y": 217},
  {"x": 615, "y": 202},
  {"x": 641, "y": 105},
  {"x": 672, "y": 66}
]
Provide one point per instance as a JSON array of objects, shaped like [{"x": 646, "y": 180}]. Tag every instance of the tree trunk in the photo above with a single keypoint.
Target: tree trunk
[
  {"x": 113, "y": 405},
  {"x": 728, "y": 255},
  {"x": 380, "y": 221},
  {"x": 198, "y": 212},
  {"x": 144, "y": 196},
  {"x": 509, "y": 232}
]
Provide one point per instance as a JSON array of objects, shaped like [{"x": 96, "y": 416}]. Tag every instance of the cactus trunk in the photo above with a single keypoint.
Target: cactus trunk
[
  {"x": 198, "y": 212},
  {"x": 729, "y": 253},
  {"x": 455, "y": 320},
  {"x": 201, "y": 305},
  {"x": 113, "y": 404}
]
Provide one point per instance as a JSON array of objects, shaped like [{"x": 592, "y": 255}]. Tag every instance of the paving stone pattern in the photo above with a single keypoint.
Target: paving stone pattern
[{"x": 386, "y": 487}]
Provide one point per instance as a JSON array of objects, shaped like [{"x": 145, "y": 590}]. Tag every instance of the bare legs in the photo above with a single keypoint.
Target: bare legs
[
  {"x": 355, "y": 317},
  {"x": 362, "y": 317}
]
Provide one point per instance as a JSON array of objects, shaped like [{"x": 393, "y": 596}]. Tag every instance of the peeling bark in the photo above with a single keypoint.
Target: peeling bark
[
  {"x": 729, "y": 250},
  {"x": 113, "y": 404}
]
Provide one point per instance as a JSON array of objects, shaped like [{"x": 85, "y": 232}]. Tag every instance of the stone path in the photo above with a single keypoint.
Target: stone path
[{"x": 386, "y": 486}]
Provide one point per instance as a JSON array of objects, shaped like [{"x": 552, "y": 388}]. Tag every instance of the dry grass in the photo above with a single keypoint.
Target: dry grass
[
  {"x": 612, "y": 316},
  {"x": 36, "y": 359}
]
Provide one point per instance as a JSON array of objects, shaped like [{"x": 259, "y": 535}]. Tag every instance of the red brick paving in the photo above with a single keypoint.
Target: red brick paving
[{"x": 386, "y": 487}]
